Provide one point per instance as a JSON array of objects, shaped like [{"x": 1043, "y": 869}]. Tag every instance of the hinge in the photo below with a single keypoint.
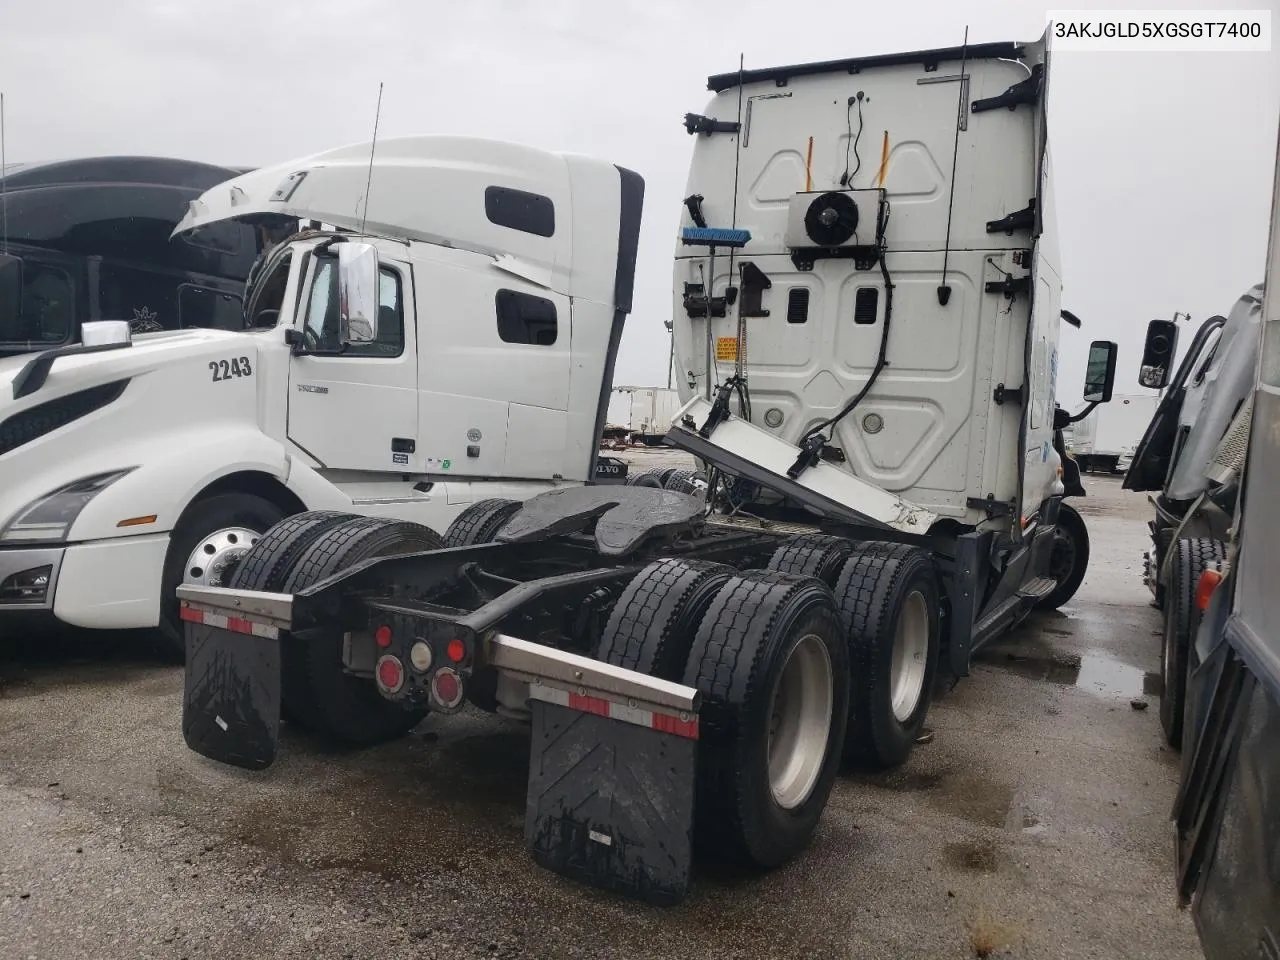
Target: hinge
[
  {"x": 1010, "y": 286},
  {"x": 697, "y": 123},
  {"x": 992, "y": 506},
  {"x": 1023, "y": 92},
  {"x": 1010, "y": 394},
  {"x": 1023, "y": 219}
]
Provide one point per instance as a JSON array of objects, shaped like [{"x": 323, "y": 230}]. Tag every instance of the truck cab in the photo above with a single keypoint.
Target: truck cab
[
  {"x": 89, "y": 239},
  {"x": 440, "y": 333}
]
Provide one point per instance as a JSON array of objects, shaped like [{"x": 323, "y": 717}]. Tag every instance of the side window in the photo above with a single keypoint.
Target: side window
[
  {"x": 47, "y": 310},
  {"x": 268, "y": 296},
  {"x": 147, "y": 300},
  {"x": 202, "y": 307},
  {"x": 524, "y": 318},
  {"x": 322, "y": 314}
]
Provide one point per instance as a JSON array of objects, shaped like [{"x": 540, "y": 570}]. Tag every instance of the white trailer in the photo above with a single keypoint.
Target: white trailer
[
  {"x": 1106, "y": 439},
  {"x": 643, "y": 413}
]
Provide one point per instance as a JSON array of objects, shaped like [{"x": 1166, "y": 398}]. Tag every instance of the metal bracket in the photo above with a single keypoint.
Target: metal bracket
[
  {"x": 993, "y": 507},
  {"x": 697, "y": 123},
  {"x": 1023, "y": 92},
  {"x": 1010, "y": 286},
  {"x": 863, "y": 257},
  {"x": 1009, "y": 394},
  {"x": 696, "y": 302},
  {"x": 1023, "y": 219}
]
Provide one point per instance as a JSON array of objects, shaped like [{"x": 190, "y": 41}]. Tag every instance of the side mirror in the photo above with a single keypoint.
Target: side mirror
[
  {"x": 1100, "y": 376},
  {"x": 1158, "y": 353},
  {"x": 357, "y": 292},
  {"x": 10, "y": 286}
]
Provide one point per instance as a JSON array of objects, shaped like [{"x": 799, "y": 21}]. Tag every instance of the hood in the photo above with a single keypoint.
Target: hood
[{"x": 54, "y": 372}]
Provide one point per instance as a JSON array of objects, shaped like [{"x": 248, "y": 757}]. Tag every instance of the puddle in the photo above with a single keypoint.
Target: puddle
[
  {"x": 962, "y": 794},
  {"x": 1095, "y": 673}
]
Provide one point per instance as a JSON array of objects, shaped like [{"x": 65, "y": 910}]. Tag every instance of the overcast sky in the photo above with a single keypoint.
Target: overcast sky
[{"x": 1163, "y": 161}]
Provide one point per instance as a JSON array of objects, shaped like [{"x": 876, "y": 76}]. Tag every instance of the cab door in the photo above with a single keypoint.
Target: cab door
[{"x": 355, "y": 407}]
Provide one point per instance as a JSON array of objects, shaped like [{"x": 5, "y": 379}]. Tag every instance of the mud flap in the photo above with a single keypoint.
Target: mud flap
[
  {"x": 610, "y": 803},
  {"x": 231, "y": 701}
]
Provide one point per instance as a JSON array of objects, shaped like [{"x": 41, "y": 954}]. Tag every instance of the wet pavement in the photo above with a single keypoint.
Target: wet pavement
[{"x": 1034, "y": 824}]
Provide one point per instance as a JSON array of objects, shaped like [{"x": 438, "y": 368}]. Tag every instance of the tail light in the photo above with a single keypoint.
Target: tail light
[
  {"x": 390, "y": 674},
  {"x": 446, "y": 689},
  {"x": 1208, "y": 582},
  {"x": 382, "y": 636},
  {"x": 456, "y": 650}
]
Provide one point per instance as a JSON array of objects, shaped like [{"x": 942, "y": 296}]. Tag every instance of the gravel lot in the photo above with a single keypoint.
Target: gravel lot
[{"x": 1035, "y": 824}]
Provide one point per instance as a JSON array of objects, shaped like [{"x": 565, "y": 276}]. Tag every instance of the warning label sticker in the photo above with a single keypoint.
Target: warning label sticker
[{"x": 727, "y": 348}]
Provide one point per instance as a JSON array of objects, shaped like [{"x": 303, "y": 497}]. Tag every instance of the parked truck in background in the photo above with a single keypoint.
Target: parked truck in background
[
  {"x": 1228, "y": 801},
  {"x": 641, "y": 414},
  {"x": 1189, "y": 460},
  {"x": 1106, "y": 439},
  {"x": 89, "y": 239},
  {"x": 693, "y": 665}
]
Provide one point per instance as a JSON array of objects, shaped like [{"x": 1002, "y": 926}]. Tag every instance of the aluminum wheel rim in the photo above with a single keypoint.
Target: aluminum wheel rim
[
  {"x": 910, "y": 653},
  {"x": 214, "y": 556},
  {"x": 800, "y": 722}
]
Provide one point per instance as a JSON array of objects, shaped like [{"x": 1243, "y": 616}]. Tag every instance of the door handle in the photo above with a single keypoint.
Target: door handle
[{"x": 402, "y": 445}]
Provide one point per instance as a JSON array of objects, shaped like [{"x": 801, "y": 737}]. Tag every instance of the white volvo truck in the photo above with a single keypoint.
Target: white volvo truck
[
  {"x": 872, "y": 401},
  {"x": 130, "y": 466}
]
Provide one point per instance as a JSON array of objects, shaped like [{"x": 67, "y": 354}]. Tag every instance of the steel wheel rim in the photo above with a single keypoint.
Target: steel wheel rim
[
  {"x": 215, "y": 555},
  {"x": 800, "y": 722},
  {"x": 910, "y": 654}
]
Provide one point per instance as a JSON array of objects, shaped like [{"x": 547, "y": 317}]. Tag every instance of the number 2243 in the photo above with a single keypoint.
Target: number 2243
[{"x": 227, "y": 369}]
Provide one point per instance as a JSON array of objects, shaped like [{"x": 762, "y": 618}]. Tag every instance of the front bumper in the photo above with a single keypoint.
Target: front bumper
[
  {"x": 103, "y": 584},
  {"x": 29, "y": 577}
]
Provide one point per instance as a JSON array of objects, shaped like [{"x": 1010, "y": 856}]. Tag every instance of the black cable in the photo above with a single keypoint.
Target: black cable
[
  {"x": 852, "y": 141},
  {"x": 881, "y": 359}
]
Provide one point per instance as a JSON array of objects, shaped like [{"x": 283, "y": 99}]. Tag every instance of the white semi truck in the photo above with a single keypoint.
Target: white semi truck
[{"x": 693, "y": 665}]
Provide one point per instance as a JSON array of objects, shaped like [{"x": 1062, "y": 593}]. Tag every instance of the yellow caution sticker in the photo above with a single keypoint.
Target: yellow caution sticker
[{"x": 727, "y": 349}]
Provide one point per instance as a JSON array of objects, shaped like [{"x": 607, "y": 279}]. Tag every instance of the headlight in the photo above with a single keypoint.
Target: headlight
[{"x": 50, "y": 517}]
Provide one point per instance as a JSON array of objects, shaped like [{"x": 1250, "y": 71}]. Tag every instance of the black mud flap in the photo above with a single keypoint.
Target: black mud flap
[
  {"x": 610, "y": 803},
  {"x": 231, "y": 704}
]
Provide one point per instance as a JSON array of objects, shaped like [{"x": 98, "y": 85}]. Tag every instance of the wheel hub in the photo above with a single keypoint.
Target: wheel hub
[
  {"x": 216, "y": 555},
  {"x": 1062, "y": 557},
  {"x": 910, "y": 654},
  {"x": 800, "y": 722}
]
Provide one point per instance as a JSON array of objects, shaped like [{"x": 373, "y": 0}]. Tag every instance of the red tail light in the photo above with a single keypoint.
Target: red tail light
[
  {"x": 382, "y": 636},
  {"x": 456, "y": 650},
  {"x": 390, "y": 673},
  {"x": 1209, "y": 581},
  {"x": 446, "y": 688}
]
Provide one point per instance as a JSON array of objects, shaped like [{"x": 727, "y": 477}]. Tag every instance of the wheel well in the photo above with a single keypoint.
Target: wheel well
[{"x": 258, "y": 484}]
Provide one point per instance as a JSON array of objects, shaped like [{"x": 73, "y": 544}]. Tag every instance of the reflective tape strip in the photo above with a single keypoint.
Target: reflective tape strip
[
  {"x": 680, "y": 725},
  {"x": 234, "y": 624}
]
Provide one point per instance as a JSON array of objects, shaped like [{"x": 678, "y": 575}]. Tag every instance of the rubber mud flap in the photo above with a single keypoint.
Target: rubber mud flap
[
  {"x": 231, "y": 697},
  {"x": 610, "y": 803}
]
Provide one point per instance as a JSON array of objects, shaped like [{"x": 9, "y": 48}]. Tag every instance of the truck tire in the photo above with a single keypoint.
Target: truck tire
[
  {"x": 1069, "y": 559},
  {"x": 1191, "y": 557},
  {"x": 650, "y": 478},
  {"x": 812, "y": 555},
  {"x": 209, "y": 538},
  {"x": 652, "y": 626},
  {"x": 771, "y": 662},
  {"x": 480, "y": 522},
  {"x": 887, "y": 595},
  {"x": 271, "y": 559},
  {"x": 268, "y": 564},
  {"x": 685, "y": 481},
  {"x": 340, "y": 709}
]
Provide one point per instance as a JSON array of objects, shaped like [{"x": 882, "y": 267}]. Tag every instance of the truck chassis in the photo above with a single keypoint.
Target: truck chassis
[{"x": 690, "y": 681}]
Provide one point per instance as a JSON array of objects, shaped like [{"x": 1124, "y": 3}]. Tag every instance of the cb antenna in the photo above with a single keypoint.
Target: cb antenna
[
  {"x": 4, "y": 193},
  {"x": 377, "y": 114}
]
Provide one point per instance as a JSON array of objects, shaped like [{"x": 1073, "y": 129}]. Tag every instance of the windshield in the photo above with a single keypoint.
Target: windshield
[{"x": 46, "y": 310}]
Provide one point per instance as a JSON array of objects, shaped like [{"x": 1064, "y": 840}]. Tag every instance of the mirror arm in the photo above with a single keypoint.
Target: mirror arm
[{"x": 1076, "y": 418}]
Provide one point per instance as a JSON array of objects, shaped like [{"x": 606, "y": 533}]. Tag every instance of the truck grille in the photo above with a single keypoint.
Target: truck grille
[{"x": 46, "y": 417}]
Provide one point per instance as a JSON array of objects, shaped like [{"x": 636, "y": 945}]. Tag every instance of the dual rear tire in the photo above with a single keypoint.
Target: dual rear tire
[{"x": 828, "y": 655}]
